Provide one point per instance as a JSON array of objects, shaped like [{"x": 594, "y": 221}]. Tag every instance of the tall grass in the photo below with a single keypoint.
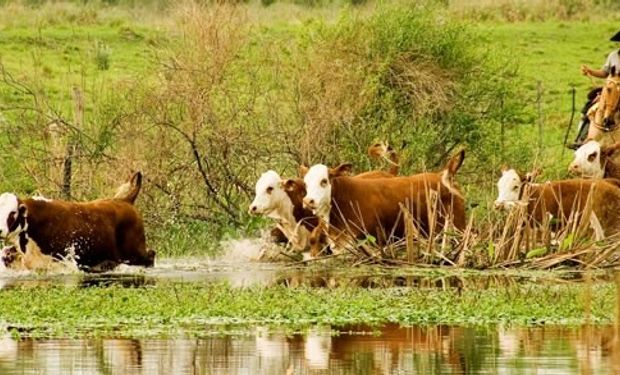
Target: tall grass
[{"x": 495, "y": 240}]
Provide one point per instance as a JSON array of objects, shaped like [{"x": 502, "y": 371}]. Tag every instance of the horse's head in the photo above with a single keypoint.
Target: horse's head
[{"x": 610, "y": 98}]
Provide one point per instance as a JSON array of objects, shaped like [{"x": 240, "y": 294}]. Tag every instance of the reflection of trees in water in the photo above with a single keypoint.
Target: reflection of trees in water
[
  {"x": 432, "y": 349},
  {"x": 337, "y": 279}
]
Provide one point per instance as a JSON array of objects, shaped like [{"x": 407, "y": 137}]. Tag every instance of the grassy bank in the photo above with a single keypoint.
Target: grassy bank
[{"x": 172, "y": 308}]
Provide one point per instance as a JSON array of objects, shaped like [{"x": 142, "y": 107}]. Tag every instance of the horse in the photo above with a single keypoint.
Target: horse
[{"x": 605, "y": 115}]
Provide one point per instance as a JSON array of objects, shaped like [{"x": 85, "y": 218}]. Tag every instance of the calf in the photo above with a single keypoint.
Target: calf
[
  {"x": 562, "y": 199},
  {"x": 99, "y": 234},
  {"x": 592, "y": 160},
  {"x": 361, "y": 207},
  {"x": 281, "y": 200}
]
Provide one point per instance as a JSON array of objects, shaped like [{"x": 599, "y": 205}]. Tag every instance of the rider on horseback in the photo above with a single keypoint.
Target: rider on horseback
[{"x": 611, "y": 64}]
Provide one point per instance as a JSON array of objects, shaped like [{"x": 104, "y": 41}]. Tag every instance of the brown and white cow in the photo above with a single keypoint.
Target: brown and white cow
[
  {"x": 361, "y": 207},
  {"x": 281, "y": 199},
  {"x": 592, "y": 160},
  {"x": 562, "y": 199},
  {"x": 98, "y": 235}
]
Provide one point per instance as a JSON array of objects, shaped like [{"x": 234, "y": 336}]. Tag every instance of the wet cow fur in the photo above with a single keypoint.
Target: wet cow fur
[{"x": 101, "y": 234}]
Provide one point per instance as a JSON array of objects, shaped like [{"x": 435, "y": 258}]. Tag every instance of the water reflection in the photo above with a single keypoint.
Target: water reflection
[{"x": 356, "y": 349}]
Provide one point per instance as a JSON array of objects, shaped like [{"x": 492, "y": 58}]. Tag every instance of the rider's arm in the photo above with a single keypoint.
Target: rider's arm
[{"x": 593, "y": 72}]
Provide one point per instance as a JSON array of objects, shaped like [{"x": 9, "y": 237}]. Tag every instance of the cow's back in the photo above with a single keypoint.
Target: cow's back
[
  {"x": 374, "y": 205},
  {"x": 91, "y": 229}
]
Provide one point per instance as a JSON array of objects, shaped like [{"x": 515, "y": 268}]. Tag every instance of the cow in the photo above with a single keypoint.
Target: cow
[
  {"x": 98, "y": 235},
  {"x": 562, "y": 199},
  {"x": 281, "y": 199},
  {"x": 357, "y": 207},
  {"x": 592, "y": 160}
]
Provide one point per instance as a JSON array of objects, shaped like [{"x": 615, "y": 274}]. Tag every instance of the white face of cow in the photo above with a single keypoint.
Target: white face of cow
[
  {"x": 318, "y": 189},
  {"x": 587, "y": 162},
  {"x": 508, "y": 187},
  {"x": 9, "y": 207},
  {"x": 269, "y": 194}
]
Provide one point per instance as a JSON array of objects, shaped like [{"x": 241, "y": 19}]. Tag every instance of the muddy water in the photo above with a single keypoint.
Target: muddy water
[{"x": 356, "y": 350}]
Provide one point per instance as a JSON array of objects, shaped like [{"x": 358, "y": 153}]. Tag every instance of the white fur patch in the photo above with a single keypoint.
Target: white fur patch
[
  {"x": 318, "y": 191},
  {"x": 8, "y": 205},
  {"x": 270, "y": 197},
  {"x": 587, "y": 161},
  {"x": 272, "y": 201},
  {"x": 508, "y": 188}
]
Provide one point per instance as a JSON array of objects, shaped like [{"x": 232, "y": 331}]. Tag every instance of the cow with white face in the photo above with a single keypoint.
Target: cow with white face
[
  {"x": 12, "y": 217},
  {"x": 592, "y": 160},
  {"x": 510, "y": 187},
  {"x": 319, "y": 188},
  {"x": 281, "y": 200},
  {"x": 271, "y": 200}
]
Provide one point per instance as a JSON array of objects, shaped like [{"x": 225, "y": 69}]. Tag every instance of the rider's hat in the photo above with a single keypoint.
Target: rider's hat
[{"x": 616, "y": 37}]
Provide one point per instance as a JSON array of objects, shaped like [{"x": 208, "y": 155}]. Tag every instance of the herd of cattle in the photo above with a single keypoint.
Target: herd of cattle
[
  {"x": 325, "y": 209},
  {"x": 328, "y": 209}
]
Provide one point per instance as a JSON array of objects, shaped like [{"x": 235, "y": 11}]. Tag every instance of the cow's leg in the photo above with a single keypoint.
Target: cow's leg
[{"x": 131, "y": 243}]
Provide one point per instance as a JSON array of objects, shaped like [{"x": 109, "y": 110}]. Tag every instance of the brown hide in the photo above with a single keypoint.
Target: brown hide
[
  {"x": 107, "y": 231},
  {"x": 372, "y": 206},
  {"x": 296, "y": 190},
  {"x": 561, "y": 198}
]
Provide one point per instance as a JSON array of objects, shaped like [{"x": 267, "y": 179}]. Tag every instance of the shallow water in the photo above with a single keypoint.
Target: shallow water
[
  {"x": 270, "y": 274},
  {"x": 358, "y": 349}
]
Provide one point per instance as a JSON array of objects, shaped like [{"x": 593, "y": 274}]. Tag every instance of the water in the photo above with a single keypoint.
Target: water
[
  {"x": 266, "y": 274},
  {"x": 388, "y": 349},
  {"x": 356, "y": 350}
]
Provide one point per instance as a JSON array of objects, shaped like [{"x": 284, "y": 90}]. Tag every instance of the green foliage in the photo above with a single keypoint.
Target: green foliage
[{"x": 176, "y": 307}]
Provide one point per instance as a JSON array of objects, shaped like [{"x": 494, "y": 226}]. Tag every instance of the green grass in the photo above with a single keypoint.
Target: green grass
[
  {"x": 188, "y": 307},
  {"x": 552, "y": 53}
]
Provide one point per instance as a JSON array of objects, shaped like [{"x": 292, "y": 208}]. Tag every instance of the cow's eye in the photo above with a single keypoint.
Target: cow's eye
[
  {"x": 515, "y": 188},
  {"x": 269, "y": 189},
  {"x": 591, "y": 157},
  {"x": 324, "y": 182}
]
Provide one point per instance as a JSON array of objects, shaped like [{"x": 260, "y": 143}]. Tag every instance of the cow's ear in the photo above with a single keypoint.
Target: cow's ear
[
  {"x": 302, "y": 170},
  {"x": 288, "y": 185},
  {"x": 456, "y": 161},
  {"x": 343, "y": 169}
]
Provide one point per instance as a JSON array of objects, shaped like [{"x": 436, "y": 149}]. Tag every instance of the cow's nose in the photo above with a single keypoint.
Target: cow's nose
[
  {"x": 308, "y": 202},
  {"x": 253, "y": 209},
  {"x": 498, "y": 205}
]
